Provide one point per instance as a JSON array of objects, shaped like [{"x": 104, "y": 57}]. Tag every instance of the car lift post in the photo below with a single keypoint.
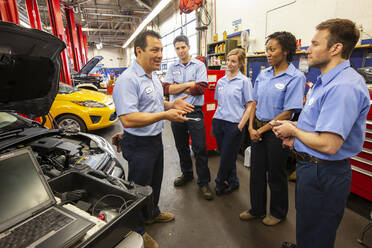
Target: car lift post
[
  {"x": 69, "y": 46},
  {"x": 33, "y": 14},
  {"x": 9, "y": 11},
  {"x": 81, "y": 43},
  {"x": 55, "y": 16},
  {"x": 85, "y": 48},
  {"x": 77, "y": 56}
]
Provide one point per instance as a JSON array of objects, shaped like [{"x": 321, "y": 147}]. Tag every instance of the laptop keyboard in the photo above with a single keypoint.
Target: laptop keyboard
[{"x": 36, "y": 228}]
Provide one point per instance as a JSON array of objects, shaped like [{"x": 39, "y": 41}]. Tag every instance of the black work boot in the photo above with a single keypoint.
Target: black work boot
[{"x": 182, "y": 180}]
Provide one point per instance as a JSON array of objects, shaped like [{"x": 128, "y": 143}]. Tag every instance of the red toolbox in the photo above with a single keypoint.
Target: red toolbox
[
  {"x": 361, "y": 164},
  {"x": 210, "y": 106}
]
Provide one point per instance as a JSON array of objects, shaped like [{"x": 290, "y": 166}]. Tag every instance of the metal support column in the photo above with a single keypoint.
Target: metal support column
[
  {"x": 33, "y": 14},
  {"x": 69, "y": 45},
  {"x": 9, "y": 11},
  {"x": 78, "y": 61},
  {"x": 58, "y": 30},
  {"x": 85, "y": 48},
  {"x": 81, "y": 43}
]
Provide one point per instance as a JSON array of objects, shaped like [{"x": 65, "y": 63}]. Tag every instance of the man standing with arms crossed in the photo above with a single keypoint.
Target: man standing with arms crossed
[
  {"x": 140, "y": 105},
  {"x": 330, "y": 130},
  {"x": 188, "y": 77}
]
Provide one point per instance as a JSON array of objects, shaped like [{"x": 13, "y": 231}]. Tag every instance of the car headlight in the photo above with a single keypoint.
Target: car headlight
[{"x": 90, "y": 104}]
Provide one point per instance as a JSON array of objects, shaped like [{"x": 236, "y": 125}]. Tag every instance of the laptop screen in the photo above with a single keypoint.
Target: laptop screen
[{"x": 23, "y": 191}]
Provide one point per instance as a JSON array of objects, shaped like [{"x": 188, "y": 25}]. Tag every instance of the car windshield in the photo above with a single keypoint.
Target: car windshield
[
  {"x": 9, "y": 122},
  {"x": 66, "y": 89}
]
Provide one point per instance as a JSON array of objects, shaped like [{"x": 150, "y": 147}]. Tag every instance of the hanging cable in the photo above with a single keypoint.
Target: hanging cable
[{"x": 203, "y": 9}]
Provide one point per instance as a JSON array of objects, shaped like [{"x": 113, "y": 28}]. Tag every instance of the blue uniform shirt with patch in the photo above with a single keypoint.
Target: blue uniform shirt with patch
[
  {"x": 339, "y": 103},
  {"x": 179, "y": 73},
  {"x": 275, "y": 94},
  {"x": 135, "y": 91},
  {"x": 232, "y": 96}
]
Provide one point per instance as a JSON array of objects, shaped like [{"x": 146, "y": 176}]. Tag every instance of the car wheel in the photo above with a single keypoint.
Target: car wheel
[{"x": 71, "y": 123}]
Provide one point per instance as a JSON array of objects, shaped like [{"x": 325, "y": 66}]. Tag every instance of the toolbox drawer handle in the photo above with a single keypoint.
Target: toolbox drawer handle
[{"x": 362, "y": 171}]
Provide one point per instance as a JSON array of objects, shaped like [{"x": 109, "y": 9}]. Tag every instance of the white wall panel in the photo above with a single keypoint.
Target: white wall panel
[
  {"x": 300, "y": 18},
  {"x": 112, "y": 57}
]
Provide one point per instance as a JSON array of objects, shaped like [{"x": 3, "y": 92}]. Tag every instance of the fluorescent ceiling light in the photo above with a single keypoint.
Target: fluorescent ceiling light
[{"x": 148, "y": 19}]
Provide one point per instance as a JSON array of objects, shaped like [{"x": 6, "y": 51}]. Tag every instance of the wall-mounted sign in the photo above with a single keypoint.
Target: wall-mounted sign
[{"x": 237, "y": 25}]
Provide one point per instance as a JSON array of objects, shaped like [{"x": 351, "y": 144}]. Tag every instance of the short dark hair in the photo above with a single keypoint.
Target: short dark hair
[
  {"x": 287, "y": 41},
  {"x": 141, "y": 42},
  {"x": 341, "y": 31},
  {"x": 181, "y": 38}
]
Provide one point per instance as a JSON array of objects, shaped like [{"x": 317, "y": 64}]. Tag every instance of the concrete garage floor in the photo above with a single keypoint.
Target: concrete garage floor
[{"x": 204, "y": 224}]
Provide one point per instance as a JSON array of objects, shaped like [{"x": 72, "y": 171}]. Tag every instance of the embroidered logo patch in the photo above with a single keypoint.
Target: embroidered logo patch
[
  {"x": 148, "y": 90},
  {"x": 279, "y": 86}
]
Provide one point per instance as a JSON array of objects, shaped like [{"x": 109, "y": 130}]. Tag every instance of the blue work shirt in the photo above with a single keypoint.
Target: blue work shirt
[
  {"x": 232, "y": 96},
  {"x": 275, "y": 94},
  {"x": 179, "y": 73},
  {"x": 339, "y": 103},
  {"x": 135, "y": 91}
]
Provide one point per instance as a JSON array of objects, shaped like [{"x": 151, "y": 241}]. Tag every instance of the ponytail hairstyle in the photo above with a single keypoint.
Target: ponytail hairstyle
[{"x": 241, "y": 57}]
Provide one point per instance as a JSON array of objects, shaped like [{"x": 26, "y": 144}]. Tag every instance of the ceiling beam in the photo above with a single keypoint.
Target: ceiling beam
[
  {"x": 113, "y": 7},
  {"x": 110, "y": 21},
  {"x": 107, "y": 37},
  {"x": 106, "y": 30},
  {"x": 141, "y": 3},
  {"x": 112, "y": 15}
]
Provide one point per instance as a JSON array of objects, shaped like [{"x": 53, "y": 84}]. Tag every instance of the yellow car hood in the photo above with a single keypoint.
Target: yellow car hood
[{"x": 85, "y": 95}]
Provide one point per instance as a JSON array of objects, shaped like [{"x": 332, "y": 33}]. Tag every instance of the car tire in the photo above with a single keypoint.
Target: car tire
[{"x": 71, "y": 123}]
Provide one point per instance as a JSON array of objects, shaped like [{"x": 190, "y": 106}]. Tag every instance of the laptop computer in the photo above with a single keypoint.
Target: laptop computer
[{"x": 29, "y": 215}]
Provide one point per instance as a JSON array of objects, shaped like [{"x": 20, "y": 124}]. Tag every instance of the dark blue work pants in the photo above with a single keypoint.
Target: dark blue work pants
[
  {"x": 321, "y": 194},
  {"x": 228, "y": 137},
  {"x": 145, "y": 164},
  {"x": 196, "y": 130},
  {"x": 268, "y": 163}
]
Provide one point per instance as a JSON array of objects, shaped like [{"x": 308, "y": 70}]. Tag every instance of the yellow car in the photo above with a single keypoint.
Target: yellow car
[{"x": 79, "y": 110}]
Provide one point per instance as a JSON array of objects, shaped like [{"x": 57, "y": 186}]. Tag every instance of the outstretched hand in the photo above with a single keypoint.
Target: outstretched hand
[
  {"x": 180, "y": 104},
  {"x": 175, "y": 115}
]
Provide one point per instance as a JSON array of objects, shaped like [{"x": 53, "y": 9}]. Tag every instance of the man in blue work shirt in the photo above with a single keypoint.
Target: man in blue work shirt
[
  {"x": 330, "y": 130},
  {"x": 140, "y": 105},
  {"x": 188, "y": 77}
]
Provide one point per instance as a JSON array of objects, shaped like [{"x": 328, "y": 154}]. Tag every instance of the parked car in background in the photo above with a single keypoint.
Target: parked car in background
[
  {"x": 80, "y": 110},
  {"x": 85, "y": 78},
  {"x": 30, "y": 66}
]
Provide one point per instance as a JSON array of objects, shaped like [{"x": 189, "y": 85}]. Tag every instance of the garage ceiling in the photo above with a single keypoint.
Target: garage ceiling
[{"x": 108, "y": 21}]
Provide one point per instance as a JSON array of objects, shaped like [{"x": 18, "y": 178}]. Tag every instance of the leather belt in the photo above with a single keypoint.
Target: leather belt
[
  {"x": 260, "y": 123},
  {"x": 302, "y": 156}
]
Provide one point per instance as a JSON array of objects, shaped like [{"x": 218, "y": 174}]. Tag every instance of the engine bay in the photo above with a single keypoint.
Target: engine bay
[{"x": 59, "y": 153}]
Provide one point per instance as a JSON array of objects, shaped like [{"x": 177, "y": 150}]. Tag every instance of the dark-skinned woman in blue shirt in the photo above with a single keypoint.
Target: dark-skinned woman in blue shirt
[{"x": 278, "y": 94}]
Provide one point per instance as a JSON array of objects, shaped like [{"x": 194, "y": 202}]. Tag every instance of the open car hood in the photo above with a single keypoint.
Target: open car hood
[
  {"x": 366, "y": 73},
  {"x": 90, "y": 65},
  {"x": 29, "y": 69}
]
